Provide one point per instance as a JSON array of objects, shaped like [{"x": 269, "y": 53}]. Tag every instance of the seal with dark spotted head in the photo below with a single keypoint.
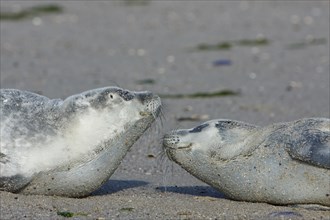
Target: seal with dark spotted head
[
  {"x": 284, "y": 163},
  {"x": 69, "y": 147}
]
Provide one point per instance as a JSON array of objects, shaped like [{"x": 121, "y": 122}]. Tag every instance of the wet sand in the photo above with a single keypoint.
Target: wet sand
[{"x": 168, "y": 47}]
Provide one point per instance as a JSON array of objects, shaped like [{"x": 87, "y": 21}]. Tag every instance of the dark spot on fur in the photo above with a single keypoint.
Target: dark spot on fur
[
  {"x": 3, "y": 158},
  {"x": 199, "y": 128},
  {"x": 213, "y": 153},
  {"x": 87, "y": 95},
  {"x": 225, "y": 125},
  {"x": 327, "y": 195},
  {"x": 126, "y": 95}
]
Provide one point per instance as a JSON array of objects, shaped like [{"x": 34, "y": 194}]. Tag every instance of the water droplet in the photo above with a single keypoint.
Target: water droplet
[
  {"x": 265, "y": 56},
  {"x": 319, "y": 69},
  {"x": 255, "y": 50},
  {"x": 170, "y": 59},
  {"x": 308, "y": 20},
  {"x": 141, "y": 52},
  {"x": 244, "y": 5},
  {"x": 252, "y": 75},
  {"x": 36, "y": 21},
  {"x": 295, "y": 19},
  {"x": 161, "y": 70},
  {"x": 111, "y": 52},
  {"x": 316, "y": 12},
  {"x": 131, "y": 52}
]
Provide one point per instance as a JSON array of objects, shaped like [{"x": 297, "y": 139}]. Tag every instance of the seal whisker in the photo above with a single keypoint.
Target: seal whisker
[
  {"x": 161, "y": 115},
  {"x": 167, "y": 169}
]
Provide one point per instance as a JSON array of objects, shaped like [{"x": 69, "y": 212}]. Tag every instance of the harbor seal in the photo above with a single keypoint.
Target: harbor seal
[
  {"x": 283, "y": 163},
  {"x": 69, "y": 147}
]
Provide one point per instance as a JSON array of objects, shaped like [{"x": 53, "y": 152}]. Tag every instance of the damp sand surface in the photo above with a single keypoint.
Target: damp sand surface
[{"x": 255, "y": 61}]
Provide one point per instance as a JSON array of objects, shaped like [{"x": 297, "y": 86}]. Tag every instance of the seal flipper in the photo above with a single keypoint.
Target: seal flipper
[
  {"x": 3, "y": 158},
  {"x": 313, "y": 147},
  {"x": 14, "y": 183}
]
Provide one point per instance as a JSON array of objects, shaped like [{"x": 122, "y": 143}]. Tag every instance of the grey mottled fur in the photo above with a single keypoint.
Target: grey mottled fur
[
  {"x": 284, "y": 163},
  {"x": 35, "y": 119}
]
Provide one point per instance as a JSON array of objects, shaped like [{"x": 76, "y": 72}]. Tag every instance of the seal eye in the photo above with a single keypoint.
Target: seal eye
[{"x": 198, "y": 128}]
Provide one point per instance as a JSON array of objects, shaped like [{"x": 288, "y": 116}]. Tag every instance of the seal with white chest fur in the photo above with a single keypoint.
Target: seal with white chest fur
[
  {"x": 284, "y": 163},
  {"x": 69, "y": 147}
]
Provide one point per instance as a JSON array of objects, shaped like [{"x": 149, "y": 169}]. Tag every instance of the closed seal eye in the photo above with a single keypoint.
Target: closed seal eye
[{"x": 198, "y": 128}]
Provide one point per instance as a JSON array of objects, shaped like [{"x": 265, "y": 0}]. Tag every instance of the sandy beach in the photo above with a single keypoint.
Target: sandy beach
[{"x": 263, "y": 61}]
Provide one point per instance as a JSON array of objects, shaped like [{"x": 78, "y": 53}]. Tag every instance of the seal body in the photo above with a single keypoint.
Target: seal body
[
  {"x": 285, "y": 163},
  {"x": 69, "y": 147}
]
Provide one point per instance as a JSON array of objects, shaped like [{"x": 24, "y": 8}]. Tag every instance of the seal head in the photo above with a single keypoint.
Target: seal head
[{"x": 69, "y": 147}]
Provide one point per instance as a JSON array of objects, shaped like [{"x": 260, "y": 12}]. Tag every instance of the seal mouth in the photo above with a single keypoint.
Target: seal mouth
[
  {"x": 172, "y": 141},
  {"x": 171, "y": 148},
  {"x": 185, "y": 147},
  {"x": 178, "y": 147}
]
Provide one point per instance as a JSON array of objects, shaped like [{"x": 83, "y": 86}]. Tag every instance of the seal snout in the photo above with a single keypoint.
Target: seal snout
[
  {"x": 174, "y": 144},
  {"x": 170, "y": 144},
  {"x": 175, "y": 140},
  {"x": 171, "y": 140},
  {"x": 150, "y": 101},
  {"x": 154, "y": 105}
]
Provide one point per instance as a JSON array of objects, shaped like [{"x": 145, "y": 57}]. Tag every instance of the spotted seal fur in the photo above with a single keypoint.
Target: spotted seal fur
[
  {"x": 69, "y": 147},
  {"x": 283, "y": 163}
]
